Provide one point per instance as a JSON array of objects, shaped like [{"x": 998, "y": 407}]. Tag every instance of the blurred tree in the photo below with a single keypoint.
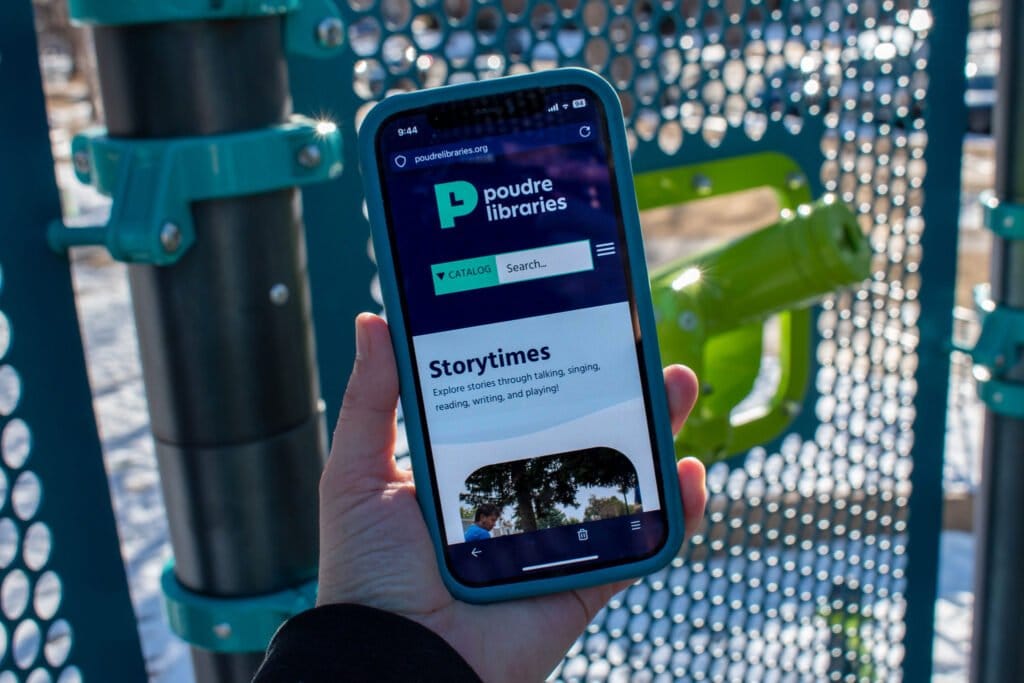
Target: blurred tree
[
  {"x": 604, "y": 508},
  {"x": 539, "y": 487},
  {"x": 66, "y": 52}
]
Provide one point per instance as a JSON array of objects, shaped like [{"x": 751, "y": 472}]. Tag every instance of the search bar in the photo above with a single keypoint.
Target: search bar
[{"x": 513, "y": 266}]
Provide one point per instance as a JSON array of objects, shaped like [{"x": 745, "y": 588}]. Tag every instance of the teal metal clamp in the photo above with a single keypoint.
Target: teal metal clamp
[
  {"x": 154, "y": 182},
  {"x": 112, "y": 12},
  {"x": 230, "y": 624},
  {"x": 998, "y": 348},
  {"x": 1001, "y": 342},
  {"x": 312, "y": 28},
  {"x": 1005, "y": 220}
]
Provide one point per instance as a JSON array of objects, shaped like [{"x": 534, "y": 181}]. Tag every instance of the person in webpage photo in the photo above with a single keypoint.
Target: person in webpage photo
[
  {"x": 564, "y": 489},
  {"x": 383, "y": 612},
  {"x": 483, "y": 522}
]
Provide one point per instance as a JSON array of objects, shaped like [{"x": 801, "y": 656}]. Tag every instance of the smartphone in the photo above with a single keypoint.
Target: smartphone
[{"x": 507, "y": 239}]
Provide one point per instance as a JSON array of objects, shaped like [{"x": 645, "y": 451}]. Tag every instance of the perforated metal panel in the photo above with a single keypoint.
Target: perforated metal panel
[
  {"x": 817, "y": 559},
  {"x": 64, "y": 610}
]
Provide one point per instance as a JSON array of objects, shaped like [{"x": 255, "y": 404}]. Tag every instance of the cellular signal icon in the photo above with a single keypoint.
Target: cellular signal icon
[{"x": 553, "y": 107}]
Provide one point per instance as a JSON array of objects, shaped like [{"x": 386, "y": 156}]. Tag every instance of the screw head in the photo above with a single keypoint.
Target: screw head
[
  {"x": 795, "y": 181},
  {"x": 687, "y": 321},
  {"x": 82, "y": 162},
  {"x": 279, "y": 294},
  {"x": 701, "y": 184},
  {"x": 222, "y": 630},
  {"x": 310, "y": 156},
  {"x": 330, "y": 32},
  {"x": 170, "y": 237}
]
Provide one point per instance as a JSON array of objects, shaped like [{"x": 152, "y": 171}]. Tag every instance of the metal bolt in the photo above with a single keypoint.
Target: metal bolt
[
  {"x": 795, "y": 181},
  {"x": 310, "y": 156},
  {"x": 83, "y": 163},
  {"x": 701, "y": 184},
  {"x": 222, "y": 630},
  {"x": 279, "y": 294},
  {"x": 687, "y": 321},
  {"x": 330, "y": 32},
  {"x": 170, "y": 237}
]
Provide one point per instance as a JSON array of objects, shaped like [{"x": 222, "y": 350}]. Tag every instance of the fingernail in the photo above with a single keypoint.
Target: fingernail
[
  {"x": 362, "y": 339},
  {"x": 675, "y": 397}
]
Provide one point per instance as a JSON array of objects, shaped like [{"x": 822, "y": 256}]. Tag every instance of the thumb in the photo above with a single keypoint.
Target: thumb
[{"x": 364, "y": 438}]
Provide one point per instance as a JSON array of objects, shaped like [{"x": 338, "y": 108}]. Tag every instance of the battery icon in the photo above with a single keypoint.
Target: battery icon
[{"x": 579, "y": 103}]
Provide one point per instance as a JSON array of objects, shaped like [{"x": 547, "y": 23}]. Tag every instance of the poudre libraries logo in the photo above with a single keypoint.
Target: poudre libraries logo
[{"x": 531, "y": 197}]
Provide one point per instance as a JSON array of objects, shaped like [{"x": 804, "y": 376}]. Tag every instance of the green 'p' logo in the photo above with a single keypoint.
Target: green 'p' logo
[{"x": 454, "y": 199}]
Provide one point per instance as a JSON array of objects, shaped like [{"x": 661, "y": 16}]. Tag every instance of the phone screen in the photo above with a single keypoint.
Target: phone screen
[{"x": 509, "y": 247}]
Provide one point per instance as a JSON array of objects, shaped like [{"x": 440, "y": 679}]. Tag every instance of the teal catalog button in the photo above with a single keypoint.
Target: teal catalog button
[{"x": 464, "y": 275}]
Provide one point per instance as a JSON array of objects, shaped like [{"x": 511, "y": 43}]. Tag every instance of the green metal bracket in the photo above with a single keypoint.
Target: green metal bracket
[
  {"x": 711, "y": 307},
  {"x": 312, "y": 28},
  {"x": 154, "y": 182},
  {"x": 1005, "y": 220},
  {"x": 998, "y": 349},
  {"x": 230, "y": 624}
]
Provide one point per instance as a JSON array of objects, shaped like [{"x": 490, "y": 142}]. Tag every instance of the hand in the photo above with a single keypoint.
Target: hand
[{"x": 375, "y": 549}]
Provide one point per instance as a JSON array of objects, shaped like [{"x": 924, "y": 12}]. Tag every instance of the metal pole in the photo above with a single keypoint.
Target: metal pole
[
  {"x": 225, "y": 334},
  {"x": 996, "y": 655}
]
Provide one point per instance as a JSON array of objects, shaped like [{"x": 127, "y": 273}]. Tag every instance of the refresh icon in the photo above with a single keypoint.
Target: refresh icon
[{"x": 585, "y": 131}]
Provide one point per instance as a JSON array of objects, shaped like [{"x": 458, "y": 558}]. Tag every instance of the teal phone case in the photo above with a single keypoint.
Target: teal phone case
[{"x": 641, "y": 288}]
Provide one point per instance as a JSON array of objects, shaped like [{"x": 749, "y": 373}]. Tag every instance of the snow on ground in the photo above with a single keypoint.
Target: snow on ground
[{"x": 954, "y": 607}]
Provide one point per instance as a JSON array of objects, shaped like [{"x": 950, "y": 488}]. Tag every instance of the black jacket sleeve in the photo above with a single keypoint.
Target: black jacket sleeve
[{"x": 352, "y": 643}]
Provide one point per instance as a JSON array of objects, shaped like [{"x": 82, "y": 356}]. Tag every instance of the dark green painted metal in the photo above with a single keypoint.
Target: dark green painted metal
[
  {"x": 116, "y": 12},
  {"x": 1003, "y": 218},
  {"x": 307, "y": 32},
  {"x": 153, "y": 183},
  {"x": 55, "y": 403},
  {"x": 944, "y": 120}
]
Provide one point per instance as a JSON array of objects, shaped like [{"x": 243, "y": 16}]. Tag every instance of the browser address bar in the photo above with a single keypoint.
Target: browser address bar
[{"x": 483, "y": 148}]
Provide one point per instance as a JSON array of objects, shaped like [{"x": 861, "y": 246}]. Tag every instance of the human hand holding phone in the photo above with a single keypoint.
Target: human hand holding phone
[
  {"x": 508, "y": 246},
  {"x": 375, "y": 549}
]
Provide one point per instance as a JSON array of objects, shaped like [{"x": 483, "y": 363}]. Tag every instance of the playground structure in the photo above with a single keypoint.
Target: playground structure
[{"x": 818, "y": 557}]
